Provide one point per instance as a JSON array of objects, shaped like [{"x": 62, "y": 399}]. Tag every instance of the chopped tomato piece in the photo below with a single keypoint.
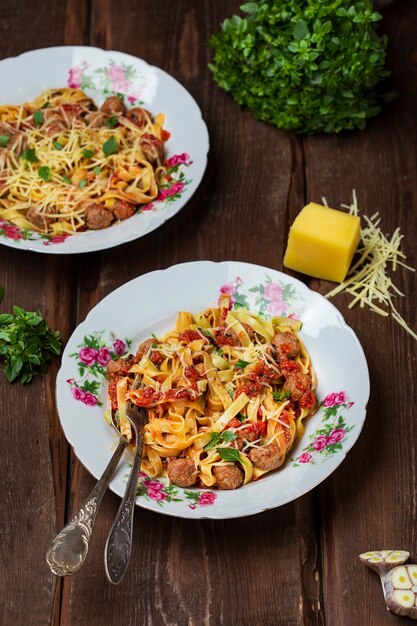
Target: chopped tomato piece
[
  {"x": 191, "y": 373},
  {"x": 233, "y": 423},
  {"x": 157, "y": 357},
  {"x": 261, "y": 427},
  {"x": 251, "y": 389},
  {"x": 189, "y": 335},
  {"x": 113, "y": 394},
  {"x": 288, "y": 366}
]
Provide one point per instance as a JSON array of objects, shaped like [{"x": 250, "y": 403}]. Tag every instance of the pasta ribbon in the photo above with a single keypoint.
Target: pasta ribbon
[{"x": 227, "y": 394}]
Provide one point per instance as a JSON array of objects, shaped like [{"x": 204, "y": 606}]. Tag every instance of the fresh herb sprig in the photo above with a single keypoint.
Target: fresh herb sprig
[
  {"x": 229, "y": 454},
  {"x": 27, "y": 344},
  {"x": 216, "y": 438},
  {"x": 310, "y": 66},
  {"x": 281, "y": 395}
]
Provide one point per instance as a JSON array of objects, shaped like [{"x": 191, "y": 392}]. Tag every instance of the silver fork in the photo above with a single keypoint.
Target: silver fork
[
  {"x": 119, "y": 542},
  {"x": 68, "y": 551}
]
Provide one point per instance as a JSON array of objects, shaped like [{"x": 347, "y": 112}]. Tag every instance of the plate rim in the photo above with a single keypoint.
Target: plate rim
[{"x": 336, "y": 462}]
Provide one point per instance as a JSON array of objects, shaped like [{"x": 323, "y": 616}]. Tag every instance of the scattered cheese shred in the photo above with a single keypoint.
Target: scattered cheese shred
[{"x": 368, "y": 280}]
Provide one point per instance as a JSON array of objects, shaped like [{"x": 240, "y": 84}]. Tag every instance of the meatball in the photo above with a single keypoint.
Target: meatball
[
  {"x": 139, "y": 116},
  {"x": 55, "y": 128},
  {"x": 54, "y": 123},
  {"x": 143, "y": 349},
  {"x": 97, "y": 119},
  {"x": 116, "y": 369},
  {"x": 38, "y": 219},
  {"x": 298, "y": 384},
  {"x": 122, "y": 209},
  {"x": 287, "y": 344},
  {"x": 17, "y": 143},
  {"x": 113, "y": 105},
  {"x": 151, "y": 147},
  {"x": 267, "y": 458},
  {"x": 228, "y": 476},
  {"x": 97, "y": 216},
  {"x": 182, "y": 472}
]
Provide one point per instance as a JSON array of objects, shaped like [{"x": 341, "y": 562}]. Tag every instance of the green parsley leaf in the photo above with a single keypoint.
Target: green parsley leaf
[
  {"x": 112, "y": 121},
  {"x": 4, "y": 140},
  {"x": 44, "y": 172},
  {"x": 46, "y": 105},
  {"x": 88, "y": 153},
  {"x": 241, "y": 417},
  {"x": 241, "y": 364},
  {"x": 110, "y": 146},
  {"x": 67, "y": 180},
  {"x": 82, "y": 183},
  {"x": 29, "y": 155},
  {"x": 281, "y": 395},
  {"x": 96, "y": 170},
  {"x": 57, "y": 145},
  {"x": 229, "y": 454},
  {"x": 227, "y": 436},
  {"x": 38, "y": 118},
  {"x": 216, "y": 438},
  {"x": 27, "y": 344},
  {"x": 304, "y": 67}
]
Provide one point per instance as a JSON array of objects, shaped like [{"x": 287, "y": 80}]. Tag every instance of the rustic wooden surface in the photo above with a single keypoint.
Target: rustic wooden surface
[{"x": 296, "y": 565}]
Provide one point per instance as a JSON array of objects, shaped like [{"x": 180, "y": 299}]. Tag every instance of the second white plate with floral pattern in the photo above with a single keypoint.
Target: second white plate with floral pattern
[
  {"x": 154, "y": 300},
  {"x": 101, "y": 73}
]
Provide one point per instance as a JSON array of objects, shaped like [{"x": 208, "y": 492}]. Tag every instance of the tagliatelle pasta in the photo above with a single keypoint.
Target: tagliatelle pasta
[
  {"x": 67, "y": 166},
  {"x": 227, "y": 393}
]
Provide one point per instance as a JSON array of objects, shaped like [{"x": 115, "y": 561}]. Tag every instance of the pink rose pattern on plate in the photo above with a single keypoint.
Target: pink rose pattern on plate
[
  {"x": 115, "y": 78},
  {"x": 11, "y": 231},
  {"x": 333, "y": 431},
  {"x": 177, "y": 182},
  {"x": 268, "y": 299},
  {"x": 91, "y": 359},
  {"x": 159, "y": 492}
]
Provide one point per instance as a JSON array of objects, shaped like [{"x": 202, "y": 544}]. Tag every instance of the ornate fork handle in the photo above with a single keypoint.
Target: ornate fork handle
[
  {"x": 69, "y": 549},
  {"x": 119, "y": 541}
]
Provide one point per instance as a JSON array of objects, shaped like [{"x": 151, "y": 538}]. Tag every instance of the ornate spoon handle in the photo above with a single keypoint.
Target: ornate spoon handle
[
  {"x": 119, "y": 541},
  {"x": 69, "y": 549}
]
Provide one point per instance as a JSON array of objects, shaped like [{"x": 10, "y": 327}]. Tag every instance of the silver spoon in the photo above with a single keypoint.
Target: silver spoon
[
  {"x": 119, "y": 542},
  {"x": 69, "y": 549}
]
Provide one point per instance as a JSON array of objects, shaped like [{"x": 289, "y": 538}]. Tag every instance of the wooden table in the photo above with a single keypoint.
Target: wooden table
[{"x": 294, "y": 565}]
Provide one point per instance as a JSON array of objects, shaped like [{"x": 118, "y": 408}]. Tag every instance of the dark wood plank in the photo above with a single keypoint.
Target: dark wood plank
[
  {"x": 369, "y": 502},
  {"x": 34, "y": 458}
]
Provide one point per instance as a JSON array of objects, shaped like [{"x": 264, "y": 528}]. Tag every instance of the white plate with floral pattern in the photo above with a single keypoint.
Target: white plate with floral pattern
[
  {"x": 101, "y": 73},
  {"x": 154, "y": 300}
]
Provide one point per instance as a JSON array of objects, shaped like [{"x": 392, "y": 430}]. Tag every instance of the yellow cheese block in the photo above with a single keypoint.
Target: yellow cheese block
[{"x": 322, "y": 242}]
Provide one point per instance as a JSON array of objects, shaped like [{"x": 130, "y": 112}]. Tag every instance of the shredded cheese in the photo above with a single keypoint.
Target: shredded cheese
[{"x": 368, "y": 280}]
